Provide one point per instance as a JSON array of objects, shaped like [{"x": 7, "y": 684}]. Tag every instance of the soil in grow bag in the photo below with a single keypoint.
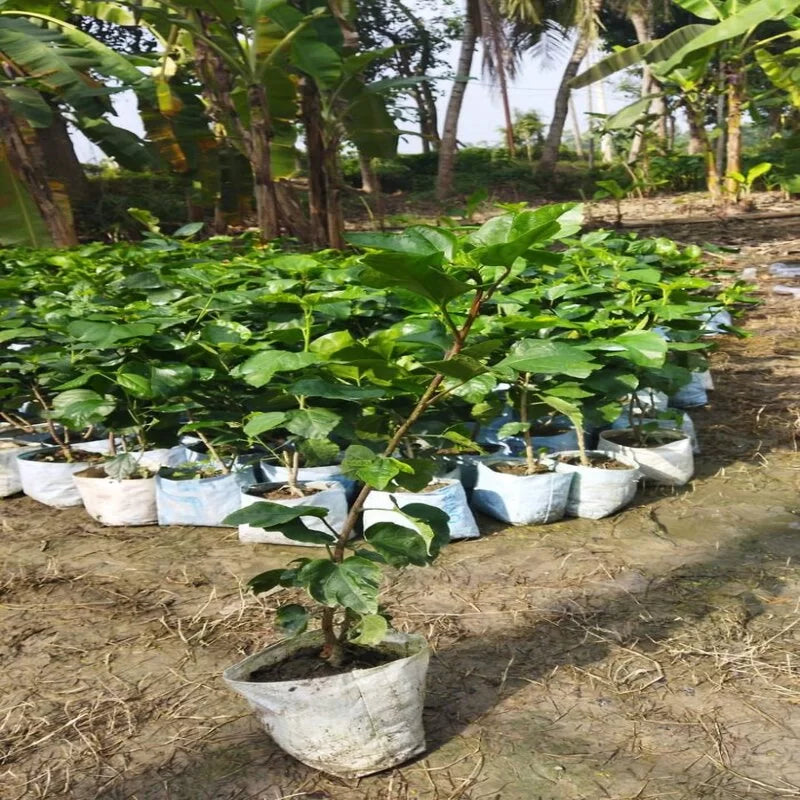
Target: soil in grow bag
[
  {"x": 595, "y": 461},
  {"x": 519, "y": 469},
  {"x": 284, "y": 493},
  {"x": 58, "y": 457},
  {"x": 647, "y": 439},
  {"x": 306, "y": 664},
  {"x": 142, "y": 473}
]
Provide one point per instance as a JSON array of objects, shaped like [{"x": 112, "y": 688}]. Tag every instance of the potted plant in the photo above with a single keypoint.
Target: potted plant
[
  {"x": 529, "y": 491},
  {"x": 360, "y": 716},
  {"x": 602, "y": 484},
  {"x": 206, "y": 491},
  {"x": 45, "y": 473},
  {"x": 120, "y": 491}
]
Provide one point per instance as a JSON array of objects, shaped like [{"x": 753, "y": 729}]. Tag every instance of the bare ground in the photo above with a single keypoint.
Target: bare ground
[{"x": 652, "y": 655}]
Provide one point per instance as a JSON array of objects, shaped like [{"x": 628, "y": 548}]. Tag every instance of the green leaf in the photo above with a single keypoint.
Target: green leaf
[
  {"x": 431, "y": 523},
  {"x": 548, "y": 357},
  {"x": 746, "y": 18},
  {"x": 504, "y": 254},
  {"x": 657, "y": 50},
  {"x": 361, "y": 464},
  {"x": 292, "y": 619},
  {"x": 371, "y": 629},
  {"x": 397, "y": 544},
  {"x": 188, "y": 230},
  {"x": 415, "y": 274},
  {"x": 313, "y": 423},
  {"x": 331, "y": 390},
  {"x": 644, "y": 348},
  {"x": 265, "y": 581},
  {"x": 263, "y": 421},
  {"x": 260, "y": 368},
  {"x": 352, "y": 584},
  {"x": 80, "y": 408},
  {"x": 318, "y": 452},
  {"x": 461, "y": 367},
  {"x": 421, "y": 474},
  {"x": 107, "y": 334},
  {"x": 168, "y": 379},
  {"x": 418, "y": 240},
  {"x": 512, "y": 429},
  {"x": 705, "y": 9},
  {"x": 271, "y": 516}
]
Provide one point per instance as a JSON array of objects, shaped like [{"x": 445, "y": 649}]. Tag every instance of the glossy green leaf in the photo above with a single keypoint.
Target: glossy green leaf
[
  {"x": 353, "y": 583},
  {"x": 371, "y": 630},
  {"x": 292, "y": 619}
]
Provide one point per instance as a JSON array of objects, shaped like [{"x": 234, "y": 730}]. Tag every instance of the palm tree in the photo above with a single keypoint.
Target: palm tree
[
  {"x": 584, "y": 19},
  {"x": 508, "y": 28}
]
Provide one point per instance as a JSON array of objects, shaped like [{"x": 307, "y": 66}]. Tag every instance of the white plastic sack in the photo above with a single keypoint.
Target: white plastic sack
[
  {"x": 49, "y": 482},
  {"x": 351, "y": 724},
  {"x": 686, "y": 425},
  {"x": 332, "y": 496},
  {"x": 670, "y": 464},
  {"x": 200, "y": 501},
  {"x": 692, "y": 394},
  {"x": 715, "y": 321},
  {"x": 595, "y": 493},
  {"x": 276, "y": 473},
  {"x": 521, "y": 499},
  {"x": 10, "y": 482},
  {"x": 115, "y": 502},
  {"x": 451, "y": 499}
]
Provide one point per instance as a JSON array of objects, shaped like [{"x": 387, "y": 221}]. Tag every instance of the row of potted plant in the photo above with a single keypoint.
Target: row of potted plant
[{"x": 400, "y": 358}]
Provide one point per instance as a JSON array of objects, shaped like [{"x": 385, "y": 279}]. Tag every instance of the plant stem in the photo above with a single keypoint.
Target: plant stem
[
  {"x": 523, "y": 418},
  {"x": 62, "y": 444},
  {"x": 292, "y": 465},
  {"x": 582, "y": 446},
  {"x": 212, "y": 452},
  {"x": 332, "y": 651}
]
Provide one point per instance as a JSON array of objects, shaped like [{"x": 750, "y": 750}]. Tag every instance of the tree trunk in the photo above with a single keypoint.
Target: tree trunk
[
  {"x": 722, "y": 123},
  {"x": 259, "y": 153},
  {"x": 315, "y": 147},
  {"x": 60, "y": 160},
  {"x": 640, "y": 18},
  {"x": 695, "y": 116},
  {"x": 447, "y": 148},
  {"x": 369, "y": 178},
  {"x": 500, "y": 67},
  {"x": 549, "y": 157},
  {"x": 695, "y": 145},
  {"x": 290, "y": 212},
  {"x": 431, "y": 131},
  {"x": 335, "y": 218},
  {"x": 733, "y": 161},
  {"x": 29, "y": 170}
]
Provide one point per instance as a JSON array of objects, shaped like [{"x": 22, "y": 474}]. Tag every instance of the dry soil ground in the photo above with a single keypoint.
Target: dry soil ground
[{"x": 655, "y": 654}]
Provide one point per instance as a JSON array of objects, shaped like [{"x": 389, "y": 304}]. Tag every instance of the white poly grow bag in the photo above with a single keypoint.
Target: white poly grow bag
[
  {"x": 670, "y": 464},
  {"x": 692, "y": 394},
  {"x": 200, "y": 501},
  {"x": 349, "y": 725},
  {"x": 10, "y": 482},
  {"x": 277, "y": 473},
  {"x": 117, "y": 502},
  {"x": 686, "y": 425},
  {"x": 49, "y": 482},
  {"x": 332, "y": 496},
  {"x": 595, "y": 493},
  {"x": 450, "y": 498},
  {"x": 521, "y": 499}
]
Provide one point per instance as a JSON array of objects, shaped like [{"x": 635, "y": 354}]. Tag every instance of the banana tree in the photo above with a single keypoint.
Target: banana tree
[{"x": 731, "y": 41}]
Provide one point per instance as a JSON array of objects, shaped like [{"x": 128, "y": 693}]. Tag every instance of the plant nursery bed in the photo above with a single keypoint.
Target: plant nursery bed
[{"x": 652, "y": 654}]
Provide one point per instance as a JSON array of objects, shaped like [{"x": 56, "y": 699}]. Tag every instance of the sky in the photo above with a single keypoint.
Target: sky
[{"x": 482, "y": 115}]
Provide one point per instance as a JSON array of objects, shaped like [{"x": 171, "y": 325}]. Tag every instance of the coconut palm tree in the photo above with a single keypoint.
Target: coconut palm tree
[
  {"x": 507, "y": 29},
  {"x": 582, "y": 16}
]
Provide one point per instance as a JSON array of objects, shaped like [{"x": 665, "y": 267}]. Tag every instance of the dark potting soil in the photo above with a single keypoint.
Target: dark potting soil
[
  {"x": 306, "y": 663},
  {"x": 433, "y": 487},
  {"x": 596, "y": 461},
  {"x": 57, "y": 457},
  {"x": 285, "y": 493},
  {"x": 507, "y": 468},
  {"x": 99, "y": 472},
  {"x": 647, "y": 439},
  {"x": 547, "y": 430}
]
